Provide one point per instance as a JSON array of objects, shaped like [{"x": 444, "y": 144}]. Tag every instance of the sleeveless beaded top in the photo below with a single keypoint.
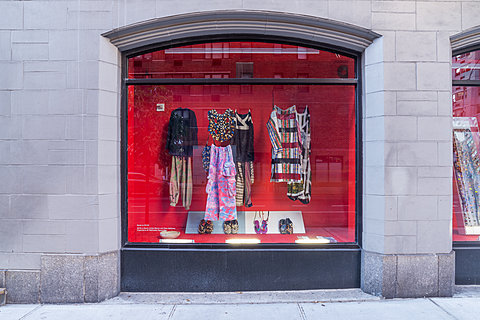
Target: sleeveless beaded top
[{"x": 221, "y": 126}]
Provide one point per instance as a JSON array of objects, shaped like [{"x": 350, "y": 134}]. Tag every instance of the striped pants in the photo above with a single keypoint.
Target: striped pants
[{"x": 244, "y": 183}]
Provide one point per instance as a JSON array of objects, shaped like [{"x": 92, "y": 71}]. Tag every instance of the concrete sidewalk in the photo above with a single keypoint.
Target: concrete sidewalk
[{"x": 315, "y": 304}]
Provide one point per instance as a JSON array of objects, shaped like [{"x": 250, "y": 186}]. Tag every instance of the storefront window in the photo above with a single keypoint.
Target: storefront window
[
  {"x": 282, "y": 161},
  {"x": 466, "y": 144}
]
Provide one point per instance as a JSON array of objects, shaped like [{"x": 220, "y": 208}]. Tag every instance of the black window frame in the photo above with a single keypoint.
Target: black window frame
[
  {"x": 464, "y": 83},
  {"x": 356, "y": 82}
]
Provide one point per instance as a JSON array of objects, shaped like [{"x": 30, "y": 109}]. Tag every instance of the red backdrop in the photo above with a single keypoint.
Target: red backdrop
[{"x": 331, "y": 211}]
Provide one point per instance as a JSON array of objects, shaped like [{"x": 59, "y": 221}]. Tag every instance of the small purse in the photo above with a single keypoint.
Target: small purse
[
  {"x": 256, "y": 224},
  {"x": 264, "y": 226},
  {"x": 261, "y": 229}
]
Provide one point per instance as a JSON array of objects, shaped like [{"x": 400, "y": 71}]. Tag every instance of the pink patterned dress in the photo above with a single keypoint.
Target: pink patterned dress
[{"x": 221, "y": 187}]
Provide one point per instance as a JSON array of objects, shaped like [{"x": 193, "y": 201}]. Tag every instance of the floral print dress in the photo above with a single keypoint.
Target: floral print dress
[{"x": 221, "y": 187}]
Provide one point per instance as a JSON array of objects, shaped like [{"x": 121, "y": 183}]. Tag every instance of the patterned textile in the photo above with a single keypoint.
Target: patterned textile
[
  {"x": 285, "y": 137},
  {"x": 181, "y": 181},
  {"x": 244, "y": 155},
  {"x": 221, "y": 187},
  {"x": 206, "y": 157},
  {"x": 221, "y": 126},
  {"x": 301, "y": 191},
  {"x": 245, "y": 180}
]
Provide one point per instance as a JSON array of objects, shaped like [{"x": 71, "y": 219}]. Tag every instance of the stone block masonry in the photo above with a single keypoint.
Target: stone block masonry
[
  {"x": 60, "y": 141},
  {"x": 64, "y": 279}
]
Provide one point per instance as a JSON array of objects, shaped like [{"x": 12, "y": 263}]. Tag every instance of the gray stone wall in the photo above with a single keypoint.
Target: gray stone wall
[
  {"x": 59, "y": 126},
  {"x": 65, "y": 278}
]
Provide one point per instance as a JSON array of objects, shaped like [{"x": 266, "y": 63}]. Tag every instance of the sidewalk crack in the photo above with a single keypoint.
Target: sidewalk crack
[
  {"x": 170, "y": 316},
  {"x": 443, "y": 309},
  {"x": 302, "y": 312},
  {"x": 30, "y": 312}
]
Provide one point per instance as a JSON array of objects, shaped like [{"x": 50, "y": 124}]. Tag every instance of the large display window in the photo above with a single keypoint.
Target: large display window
[
  {"x": 466, "y": 146},
  {"x": 264, "y": 154}
]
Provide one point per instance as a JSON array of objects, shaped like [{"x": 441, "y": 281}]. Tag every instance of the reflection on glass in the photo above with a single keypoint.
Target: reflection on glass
[
  {"x": 466, "y": 66},
  {"x": 466, "y": 163},
  {"x": 467, "y": 172},
  {"x": 241, "y": 60}
]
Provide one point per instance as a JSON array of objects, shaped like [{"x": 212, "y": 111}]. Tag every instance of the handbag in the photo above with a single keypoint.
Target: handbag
[{"x": 263, "y": 228}]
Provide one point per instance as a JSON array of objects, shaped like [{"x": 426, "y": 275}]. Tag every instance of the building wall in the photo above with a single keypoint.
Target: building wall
[{"x": 60, "y": 141}]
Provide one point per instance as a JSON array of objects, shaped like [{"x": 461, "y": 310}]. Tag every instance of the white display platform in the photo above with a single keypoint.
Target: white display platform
[{"x": 245, "y": 222}]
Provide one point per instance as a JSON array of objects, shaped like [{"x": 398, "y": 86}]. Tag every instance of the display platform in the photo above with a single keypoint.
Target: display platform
[{"x": 246, "y": 221}]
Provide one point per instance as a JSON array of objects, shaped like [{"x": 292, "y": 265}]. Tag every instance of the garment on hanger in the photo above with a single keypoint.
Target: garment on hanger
[
  {"x": 181, "y": 138},
  {"x": 244, "y": 156},
  {"x": 182, "y": 132},
  {"x": 284, "y": 133},
  {"x": 221, "y": 126},
  {"x": 301, "y": 191},
  {"x": 243, "y": 138},
  {"x": 221, "y": 188},
  {"x": 244, "y": 181},
  {"x": 181, "y": 181}
]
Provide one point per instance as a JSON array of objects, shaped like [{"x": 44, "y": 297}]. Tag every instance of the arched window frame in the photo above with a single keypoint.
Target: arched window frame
[{"x": 261, "y": 26}]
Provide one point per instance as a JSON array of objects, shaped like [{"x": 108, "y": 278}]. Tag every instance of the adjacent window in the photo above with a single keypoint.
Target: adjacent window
[
  {"x": 466, "y": 144},
  {"x": 300, "y": 102}
]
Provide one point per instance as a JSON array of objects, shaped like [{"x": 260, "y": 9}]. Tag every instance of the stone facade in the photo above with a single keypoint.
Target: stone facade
[{"x": 60, "y": 140}]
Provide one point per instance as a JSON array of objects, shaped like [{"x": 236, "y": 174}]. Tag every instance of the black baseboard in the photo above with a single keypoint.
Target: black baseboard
[
  {"x": 169, "y": 270},
  {"x": 467, "y": 265}
]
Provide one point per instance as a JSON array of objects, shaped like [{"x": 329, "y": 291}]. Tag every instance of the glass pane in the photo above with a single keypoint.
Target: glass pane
[
  {"x": 161, "y": 201},
  {"x": 466, "y": 66},
  {"x": 241, "y": 60},
  {"x": 466, "y": 171}
]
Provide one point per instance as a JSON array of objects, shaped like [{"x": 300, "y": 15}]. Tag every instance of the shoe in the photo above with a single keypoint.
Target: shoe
[
  {"x": 285, "y": 226},
  {"x": 282, "y": 227},
  {"x": 234, "y": 225},
  {"x": 227, "y": 227},
  {"x": 208, "y": 227},
  {"x": 201, "y": 226},
  {"x": 289, "y": 226}
]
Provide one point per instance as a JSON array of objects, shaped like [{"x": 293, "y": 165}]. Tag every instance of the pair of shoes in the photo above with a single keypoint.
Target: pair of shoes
[
  {"x": 285, "y": 226},
  {"x": 205, "y": 226},
  {"x": 230, "y": 227}
]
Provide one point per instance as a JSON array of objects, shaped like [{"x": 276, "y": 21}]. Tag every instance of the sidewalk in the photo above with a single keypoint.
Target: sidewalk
[{"x": 348, "y": 304}]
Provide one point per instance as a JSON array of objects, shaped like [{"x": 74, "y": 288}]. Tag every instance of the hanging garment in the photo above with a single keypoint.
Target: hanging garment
[
  {"x": 244, "y": 181},
  {"x": 182, "y": 132},
  {"x": 243, "y": 138},
  {"x": 244, "y": 156},
  {"x": 301, "y": 191},
  {"x": 221, "y": 187},
  {"x": 285, "y": 137},
  {"x": 181, "y": 181},
  {"x": 221, "y": 126}
]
